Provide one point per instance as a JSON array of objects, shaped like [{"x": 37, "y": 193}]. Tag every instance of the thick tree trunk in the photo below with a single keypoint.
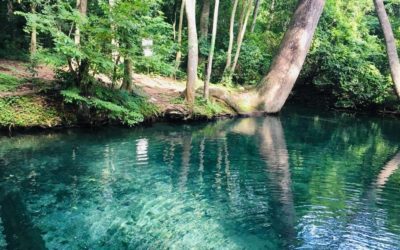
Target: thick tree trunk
[
  {"x": 394, "y": 62},
  {"x": 211, "y": 55},
  {"x": 240, "y": 37},
  {"x": 275, "y": 88},
  {"x": 33, "y": 44},
  {"x": 204, "y": 19},
  {"x": 81, "y": 5},
  {"x": 231, "y": 36},
  {"x": 193, "y": 51},
  {"x": 255, "y": 14},
  {"x": 179, "y": 53}
]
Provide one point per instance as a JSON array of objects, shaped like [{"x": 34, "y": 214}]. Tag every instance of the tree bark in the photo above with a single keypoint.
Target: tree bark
[
  {"x": 211, "y": 54},
  {"x": 391, "y": 49},
  {"x": 33, "y": 44},
  {"x": 10, "y": 10},
  {"x": 127, "y": 82},
  {"x": 231, "y": 36},
  {"x": 275, "y": 88},
  {"x": 179, "y": 53},
  {"x": 81, "y": 5},
  {"x": 240, "y": 37},
  {"x": 193, "y": 52},
  {"x": 204, "y": 19},
  {"x": 255, "y": 14}
]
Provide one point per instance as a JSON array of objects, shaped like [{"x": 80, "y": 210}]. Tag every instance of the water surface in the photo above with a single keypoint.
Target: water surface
[{"x": 298, "y": 181}]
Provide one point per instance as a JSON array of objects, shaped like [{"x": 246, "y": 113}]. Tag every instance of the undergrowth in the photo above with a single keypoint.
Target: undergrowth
[
  {"x": 202, "y": 107},
  {"x": 116, "y": 105},
  {"x": 27, "y": 112},
  {"x": 8, "y": 82}
]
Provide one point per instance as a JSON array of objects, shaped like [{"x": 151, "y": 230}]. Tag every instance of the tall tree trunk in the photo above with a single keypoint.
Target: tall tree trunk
[
  {"x": 81, "y": 5},
  {"x": 394, "y": 62},
  {"x": 211, "y": 54},
  {"x": 204, "y": 19},
  {"x": 204, "y": 23},
  {"x": 114, "y": 42},
  {"x": 179, "y": 53},
  {"x": 10, "y": 10},
  {"x": 271, "y": 14},
  {"x": 11, "y": 18},
  {"x": 115, "y": 56},
  {"x": 276, "y": 86},
  {"x": 193, "y": 52},
  {"x": 231, "y": 36},
  {"x": 255, "y": 14},
  {"x": 240, "y": 37},
  {"x": 33, "y": 43}
]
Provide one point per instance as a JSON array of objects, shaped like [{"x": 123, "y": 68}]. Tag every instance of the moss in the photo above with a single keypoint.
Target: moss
[
  {"x": 8, "y": 82},
  {"x": 27, "y": 112},
  {"x": 209, "y": 109}
]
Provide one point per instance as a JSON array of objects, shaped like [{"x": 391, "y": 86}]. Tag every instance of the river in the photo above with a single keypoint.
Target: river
[{"x": 303, "y": 180}]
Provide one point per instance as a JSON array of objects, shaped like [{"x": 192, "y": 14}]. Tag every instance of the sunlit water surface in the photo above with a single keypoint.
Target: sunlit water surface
[{"x": 300, "y": 181}]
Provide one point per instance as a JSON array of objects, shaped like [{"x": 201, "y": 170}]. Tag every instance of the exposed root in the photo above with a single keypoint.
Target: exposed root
[{"x": 243, "y": 104}]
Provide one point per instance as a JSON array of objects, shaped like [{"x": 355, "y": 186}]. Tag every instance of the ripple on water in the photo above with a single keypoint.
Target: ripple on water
[{"x": 259, "y": 185}]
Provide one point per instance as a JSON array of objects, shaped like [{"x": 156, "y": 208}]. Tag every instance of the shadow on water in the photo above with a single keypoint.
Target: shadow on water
[
  {"x": 20, "y": 232},
  {"x": 273, "y": 148}
]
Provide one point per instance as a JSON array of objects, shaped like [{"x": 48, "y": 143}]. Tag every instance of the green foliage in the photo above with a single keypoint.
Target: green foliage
[
  {"x": 116, "y": 105},
  {"x": 347, "y": 62},
  {"x": 205, "y": 108},
  {"x": 104, "y": 32},
  {"x": 253, "y": 63},
  {"x": 209, "y": 109},
  {"x": 8, "y": 82},
  {"x": 347, "y": 59},
  {"x": 27, "y": 112}
]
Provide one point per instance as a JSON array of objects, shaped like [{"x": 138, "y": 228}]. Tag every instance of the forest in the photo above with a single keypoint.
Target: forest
[
  {"x": 71, "y": 62},
  {"x": 199, "y": 124}
]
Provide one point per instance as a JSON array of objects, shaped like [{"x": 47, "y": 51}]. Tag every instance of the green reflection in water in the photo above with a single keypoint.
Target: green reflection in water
[{"x": 317, "y": 181}]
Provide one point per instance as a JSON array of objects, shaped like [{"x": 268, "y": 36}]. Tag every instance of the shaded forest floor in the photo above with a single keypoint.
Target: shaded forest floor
[{"x": 32, "y": 100}]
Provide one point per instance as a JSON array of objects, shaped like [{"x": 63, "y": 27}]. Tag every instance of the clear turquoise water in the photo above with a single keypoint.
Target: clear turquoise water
[{"x": 301, "y": 181}]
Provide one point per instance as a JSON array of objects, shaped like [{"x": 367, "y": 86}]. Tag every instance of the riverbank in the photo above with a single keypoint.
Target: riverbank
[{"x": 41, "y": 102}]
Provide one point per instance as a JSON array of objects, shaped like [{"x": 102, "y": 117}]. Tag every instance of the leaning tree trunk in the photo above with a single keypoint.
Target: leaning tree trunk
[
  {"x": 193, "y": 52},
  {"x": 275, "y": 88},
  {"x": 179, "y": 53},
  {"x": 211, "y": 55},
  {"x": 231, "y": 36},
  {"x": 394, "y": 62},
  {"x": 33, "y": 44}
]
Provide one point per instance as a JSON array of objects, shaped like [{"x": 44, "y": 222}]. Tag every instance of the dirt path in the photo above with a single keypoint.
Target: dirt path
[
  {"x": 162, "y": 91},
  {"x": 20, "y": 70}
]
